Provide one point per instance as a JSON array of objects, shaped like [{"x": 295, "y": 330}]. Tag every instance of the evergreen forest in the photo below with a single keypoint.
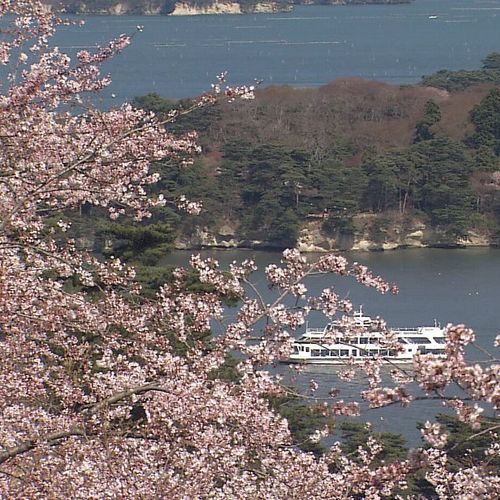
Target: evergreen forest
[
  {"x": 429, "y": 152},
  {"x": 352, "y": 156}
]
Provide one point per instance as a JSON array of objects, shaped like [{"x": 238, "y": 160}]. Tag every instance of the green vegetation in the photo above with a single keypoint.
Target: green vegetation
[
  {"x": 355, "y": 435},
  {"x": 432, "y": 115},
  {"x": 137, "y": 7},
  {"x": 492, "y": 61},
  {"x": 461, "y": 79},
  {"x": 464, "y": 448},
  {"x": 348, "y": 148},
  {"x": 303, "y": 420},
  {"x": 143, "y": 243},
  {"x": 432, "y": 177},
  {"x": 350, "y": 151},
  {"x": 486, "y": 119}
]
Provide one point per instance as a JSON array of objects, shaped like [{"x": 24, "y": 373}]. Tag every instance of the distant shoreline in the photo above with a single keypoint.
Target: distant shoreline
[{"x": 197, "y": 7}]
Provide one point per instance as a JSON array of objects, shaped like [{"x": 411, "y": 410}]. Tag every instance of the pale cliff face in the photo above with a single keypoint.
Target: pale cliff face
[
  {"x": 264, "y": 7},
  {"x": 225, "y": 7},
  {"x": 185, "y": 9},
  {"x": 152, "y": 9},
  {"x": 119, "y": 8}
]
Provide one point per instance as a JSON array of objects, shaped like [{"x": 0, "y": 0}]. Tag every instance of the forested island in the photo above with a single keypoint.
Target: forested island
[
  {"x": 194, "y": 7},
  {"x": 354, "y": 164}
]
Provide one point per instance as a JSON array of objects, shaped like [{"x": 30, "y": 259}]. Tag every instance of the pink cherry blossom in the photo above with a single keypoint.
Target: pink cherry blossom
[{"x": 107, "y": 393}]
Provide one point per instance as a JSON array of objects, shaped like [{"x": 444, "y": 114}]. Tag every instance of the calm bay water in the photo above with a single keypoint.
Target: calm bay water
[
  {"x": 180, "y": 56},
  {"x": 451, "y": 286}
]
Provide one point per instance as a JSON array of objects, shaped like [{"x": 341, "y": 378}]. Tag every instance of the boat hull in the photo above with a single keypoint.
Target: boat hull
[{"x": 344, "y": 362}]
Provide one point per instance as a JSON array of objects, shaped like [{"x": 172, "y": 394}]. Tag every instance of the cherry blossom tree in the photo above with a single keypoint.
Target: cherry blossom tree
[{"x": 105, "y": 393}]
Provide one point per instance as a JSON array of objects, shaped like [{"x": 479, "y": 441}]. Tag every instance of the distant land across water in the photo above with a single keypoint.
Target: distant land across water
[
  {"x": 179, "y": 56},
  {"x": 194, "y": 7}
]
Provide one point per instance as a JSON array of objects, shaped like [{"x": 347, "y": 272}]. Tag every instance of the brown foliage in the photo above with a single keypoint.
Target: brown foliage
[
  {"x": 370, "y": 115},
  {"x": 455, "y": 111}
]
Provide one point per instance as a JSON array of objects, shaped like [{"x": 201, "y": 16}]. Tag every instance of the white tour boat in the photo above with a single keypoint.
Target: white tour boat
[{"x": 332, "y": 345}]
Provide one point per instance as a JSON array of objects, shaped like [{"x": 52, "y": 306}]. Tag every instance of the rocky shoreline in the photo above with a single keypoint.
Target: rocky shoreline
[
  {"x": 193, "y": 8},
  {"x": 313, "y": 239},
  {"x": 218, "y": 7}
]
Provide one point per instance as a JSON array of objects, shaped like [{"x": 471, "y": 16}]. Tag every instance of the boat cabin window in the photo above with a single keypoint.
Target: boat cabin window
[
  {"x": 363, "y": 340},
  {"x": 373, "y": 340},
  {"x": 418, "y": 340},
  {"x": 440, "y": 340},
  {"x": 324, "y": 352},
  {"x": 354, "y": 352},
  {"x": 334, "y": 352},
  {"x": 315, "y": 352},
  {"x": 344, "y": 352},
  {"x": 307, "y": 348}
]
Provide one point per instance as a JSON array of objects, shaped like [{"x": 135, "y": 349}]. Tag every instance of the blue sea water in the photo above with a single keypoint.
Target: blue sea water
[{"x": 180, "y": 56}]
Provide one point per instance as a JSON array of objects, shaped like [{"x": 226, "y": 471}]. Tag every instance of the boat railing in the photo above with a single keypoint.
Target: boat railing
[
  {"x": 427, "y": 329},
  {"x": 315, "y": 330}
]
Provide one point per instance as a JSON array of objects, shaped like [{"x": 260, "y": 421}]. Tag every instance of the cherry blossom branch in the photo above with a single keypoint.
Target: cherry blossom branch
[
  {"x": 484, "y": 351},
  {"x": 477, "y": 434},
  {"x": 30, "y": 444},
  {"x": 53, "y": 437},
  {"x": 154, "y": 387},
  {"x": 89, "y": 157}
]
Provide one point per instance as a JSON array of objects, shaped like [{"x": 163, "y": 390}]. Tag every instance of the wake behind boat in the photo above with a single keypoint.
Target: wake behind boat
[{"x": 333, "y": 345}]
